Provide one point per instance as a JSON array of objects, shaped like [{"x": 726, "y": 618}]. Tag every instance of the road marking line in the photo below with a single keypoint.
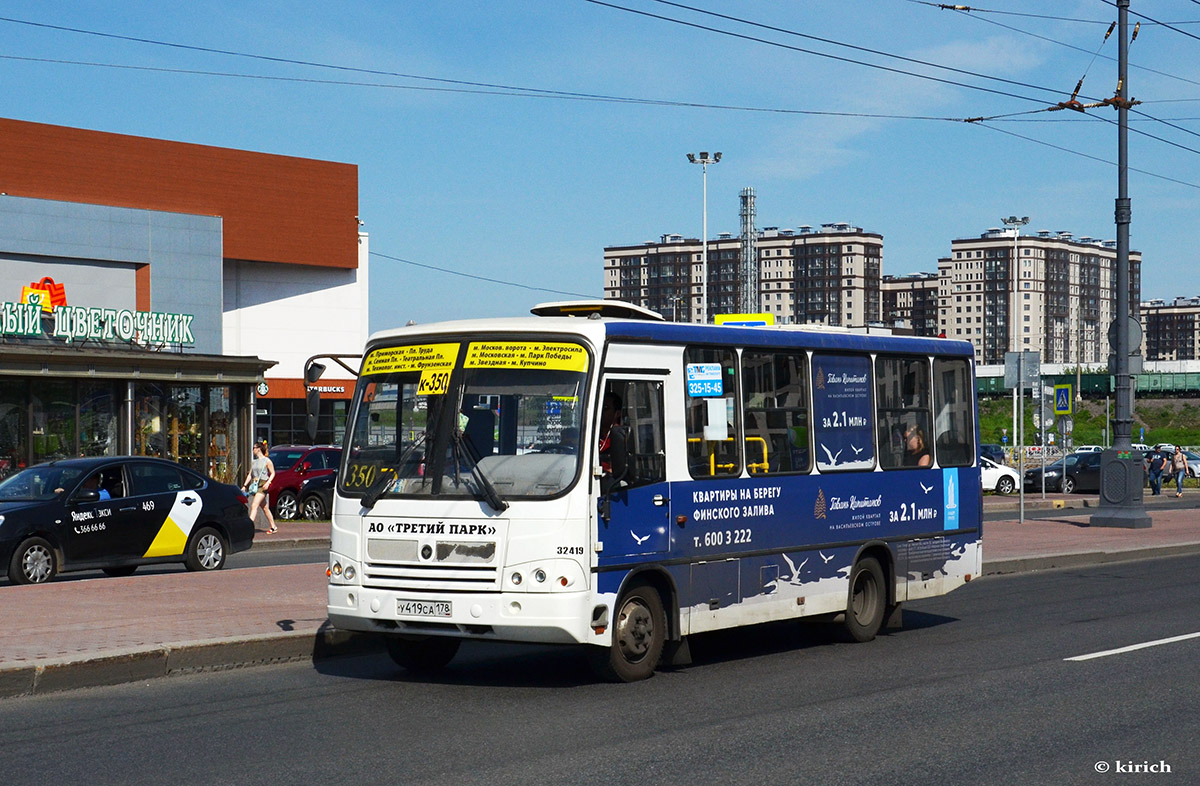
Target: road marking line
[{"x": 1133, "y": 647}]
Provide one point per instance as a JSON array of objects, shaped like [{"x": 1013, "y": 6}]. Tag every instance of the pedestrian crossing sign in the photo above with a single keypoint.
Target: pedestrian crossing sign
[{"x": 1062, "y": 399}]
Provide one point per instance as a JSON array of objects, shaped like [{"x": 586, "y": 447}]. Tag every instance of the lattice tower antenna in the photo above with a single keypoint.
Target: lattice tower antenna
[{"x": 748, "y": 274}]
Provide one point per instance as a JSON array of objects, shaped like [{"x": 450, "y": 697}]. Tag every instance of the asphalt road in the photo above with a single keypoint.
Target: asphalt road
[{"x": 974, "y": 689}]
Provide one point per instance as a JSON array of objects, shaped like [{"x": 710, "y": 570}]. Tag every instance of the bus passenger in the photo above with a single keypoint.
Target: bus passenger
[
  {"x": 916, "y": 453},
  {"x": 610, "y": 418}
]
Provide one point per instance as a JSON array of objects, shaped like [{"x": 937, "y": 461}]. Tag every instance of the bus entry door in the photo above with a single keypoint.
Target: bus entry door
[{"x": 637, "y": 505}]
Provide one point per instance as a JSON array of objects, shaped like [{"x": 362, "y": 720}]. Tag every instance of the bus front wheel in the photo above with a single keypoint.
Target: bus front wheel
[
  {"x": 423, "y": 655},
  {"x": 639, "y": 633},
  {"x": 868, "y": 597}
]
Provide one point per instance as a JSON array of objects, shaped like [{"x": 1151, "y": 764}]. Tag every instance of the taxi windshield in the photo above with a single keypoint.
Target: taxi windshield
[
  {"x": 480, "y": 419},
  {"x": 38, "y": 483}
]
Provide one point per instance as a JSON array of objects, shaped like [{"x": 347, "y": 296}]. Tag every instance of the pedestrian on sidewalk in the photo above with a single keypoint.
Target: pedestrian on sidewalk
[
  {"x": 1158, "y": 463},
  {"x": 1179, "y": 466},
  {"x": 258, "y": 480}
]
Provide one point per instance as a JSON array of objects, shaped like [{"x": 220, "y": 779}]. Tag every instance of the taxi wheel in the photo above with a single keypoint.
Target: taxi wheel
[
  {"x": 424, "y": 655},
  {"x": 286, "y": 507},
  {"x": 34, "y": 562},
  {"x": 206, "y": 550},
  {"x": 314, "y": 508}
]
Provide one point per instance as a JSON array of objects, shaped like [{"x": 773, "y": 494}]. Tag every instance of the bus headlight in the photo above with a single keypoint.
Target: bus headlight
[{"x": 341, "y": 570}]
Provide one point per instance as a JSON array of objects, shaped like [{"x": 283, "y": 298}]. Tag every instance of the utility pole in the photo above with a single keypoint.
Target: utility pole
[{"x": 1121, "y": 503}]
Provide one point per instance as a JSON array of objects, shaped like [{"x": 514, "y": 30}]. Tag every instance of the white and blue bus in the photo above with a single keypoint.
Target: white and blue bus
[{"x": 593, "y": 475}]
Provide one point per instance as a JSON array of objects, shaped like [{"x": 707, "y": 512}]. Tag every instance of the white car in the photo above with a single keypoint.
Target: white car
[
  {"x": 1089, "y": 449},
  {"x": 1002, "y": 479}
]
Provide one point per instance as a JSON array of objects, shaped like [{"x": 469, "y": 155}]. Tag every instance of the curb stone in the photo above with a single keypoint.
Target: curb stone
[{"x": 190, "y": 658}]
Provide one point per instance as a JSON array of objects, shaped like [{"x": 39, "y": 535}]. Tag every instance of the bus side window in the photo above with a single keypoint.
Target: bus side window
[
  {"x": 775, "y": 401},
  {"x": 713, "y": 438},
  {"x": 903, "y": 401},
  {"x": 954, "y": 405}
]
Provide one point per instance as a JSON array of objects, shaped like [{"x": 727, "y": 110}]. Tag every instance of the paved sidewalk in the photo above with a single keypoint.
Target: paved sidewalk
[{"x": 81, "y": 633}]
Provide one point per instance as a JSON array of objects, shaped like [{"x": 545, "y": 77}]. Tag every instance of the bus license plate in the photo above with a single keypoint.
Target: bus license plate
[{"x": 423, "y": 608}]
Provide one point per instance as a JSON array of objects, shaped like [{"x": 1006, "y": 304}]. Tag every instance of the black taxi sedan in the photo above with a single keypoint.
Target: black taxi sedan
[{"x": 116, "y": 513}]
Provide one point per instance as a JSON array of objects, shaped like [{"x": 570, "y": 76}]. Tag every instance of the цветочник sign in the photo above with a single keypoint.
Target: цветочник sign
[{"x": 75, "y": 323}]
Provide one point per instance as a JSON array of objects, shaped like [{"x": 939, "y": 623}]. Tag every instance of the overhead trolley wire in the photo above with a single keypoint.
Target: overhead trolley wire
[
  {"x": 517, "y": 92},
  {"x": 480, "y": 278},
  {"x": 855, "y": 47},
  {"x": 1168, "y": 25},
  {"x": 816, "y": 53},
  {"x": 1056, "y": 42},
  {"x": 1085, "y": 155},
  {"x": 485, "y": 88}
]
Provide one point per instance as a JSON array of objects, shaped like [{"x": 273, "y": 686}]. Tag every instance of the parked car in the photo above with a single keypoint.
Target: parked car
[
  {"x": 116, "y": 513},
  {"x": 1074, "y": 472},
  {"x": 316, "y": 496},
  {"x": 997, "y": 477},
  {"x": 994, "y": 453},
  {"x": 1089, "y": 449},
  {"x": 293, "y": 464}
]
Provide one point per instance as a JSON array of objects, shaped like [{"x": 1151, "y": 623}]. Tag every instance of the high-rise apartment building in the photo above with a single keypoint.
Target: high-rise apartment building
[
  {"x": 911, "y": 302},
  {"x": 827, "y": 276},
  {"x": 1171, "y": 330},
  {"x": 1048, "y": 293}
]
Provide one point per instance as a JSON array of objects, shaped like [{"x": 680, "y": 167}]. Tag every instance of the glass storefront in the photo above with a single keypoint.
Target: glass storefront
[
  {"x": 14, "y": 419},
  {"x": 99, "y": 418},
  {"x": 222, "y": 435},
  {"x": 53, "y": 417},
  {"x": 198, "y": 425},
  {"x": 284, "y": 422}
]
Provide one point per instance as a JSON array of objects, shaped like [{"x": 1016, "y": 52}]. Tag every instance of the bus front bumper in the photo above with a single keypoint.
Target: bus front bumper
[{"x": 545, "y": 617}]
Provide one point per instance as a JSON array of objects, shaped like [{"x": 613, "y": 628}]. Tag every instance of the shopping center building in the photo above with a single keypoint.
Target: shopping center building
[{"x": 161, "y": 298}]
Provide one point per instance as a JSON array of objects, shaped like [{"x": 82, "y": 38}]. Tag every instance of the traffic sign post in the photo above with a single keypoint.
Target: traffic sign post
[{"x": 1062, "y": 400}]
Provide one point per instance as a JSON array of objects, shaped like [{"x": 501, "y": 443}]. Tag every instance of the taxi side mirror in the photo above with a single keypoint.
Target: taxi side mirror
[{"x": 85, "y": 495}]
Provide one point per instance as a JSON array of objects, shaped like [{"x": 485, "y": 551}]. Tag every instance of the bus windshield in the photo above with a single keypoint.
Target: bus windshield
[{"x": 488, "y": 420}]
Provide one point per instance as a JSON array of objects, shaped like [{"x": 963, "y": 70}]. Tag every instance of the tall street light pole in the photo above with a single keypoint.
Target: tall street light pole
[
  {"x": 1018, "y": 427},
  {"x": 704, "y": 160},
  {"x": 1121, "y": 503}
]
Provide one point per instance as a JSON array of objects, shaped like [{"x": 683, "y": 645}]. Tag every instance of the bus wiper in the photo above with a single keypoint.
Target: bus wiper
[
  {"x": 489, "y": 491},
  {"x": 379, "y": 487}
]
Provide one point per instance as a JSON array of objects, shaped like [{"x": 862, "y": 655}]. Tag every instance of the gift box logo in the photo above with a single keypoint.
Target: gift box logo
[{"x": 45, "y": 293}]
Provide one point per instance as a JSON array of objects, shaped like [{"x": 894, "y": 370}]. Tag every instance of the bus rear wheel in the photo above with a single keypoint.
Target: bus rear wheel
[
  {"x": 868, "y": 599},
  {"x": 422, "y": 655},
  {"x": 639, "y": 633}
]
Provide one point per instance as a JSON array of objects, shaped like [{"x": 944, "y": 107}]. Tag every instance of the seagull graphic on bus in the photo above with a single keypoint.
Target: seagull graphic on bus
[
  {"x": 640, "y": 540},
  {"x": 925, "y": 488},
  {"x": 833, "y": 457}
]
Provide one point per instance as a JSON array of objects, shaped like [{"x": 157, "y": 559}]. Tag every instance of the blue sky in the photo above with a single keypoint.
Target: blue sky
[{"x": 530, "y": 189}]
